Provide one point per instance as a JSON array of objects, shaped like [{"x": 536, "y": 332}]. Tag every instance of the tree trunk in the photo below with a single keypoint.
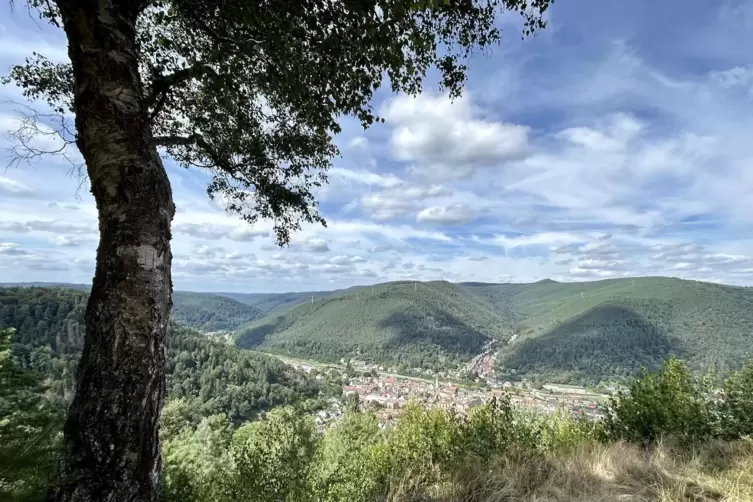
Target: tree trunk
[{"x": 111, "y": 433}]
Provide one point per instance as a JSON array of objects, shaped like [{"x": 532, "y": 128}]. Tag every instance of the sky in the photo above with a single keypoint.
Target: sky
[{"x": 616, "y": 143}]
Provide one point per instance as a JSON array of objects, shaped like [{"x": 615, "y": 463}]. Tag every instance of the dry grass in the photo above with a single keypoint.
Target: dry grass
[{"x": 718, "y": 472}]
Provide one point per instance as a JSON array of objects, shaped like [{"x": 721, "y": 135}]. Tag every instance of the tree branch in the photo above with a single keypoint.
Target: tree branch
[
  {"x": 42, "y": 134},
  {"x": 163, "y": 84},
  {"x": 169, "y": 141}
]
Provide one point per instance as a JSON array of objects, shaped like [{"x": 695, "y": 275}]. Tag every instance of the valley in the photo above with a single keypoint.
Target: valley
[{"x": 594, "y": 334}]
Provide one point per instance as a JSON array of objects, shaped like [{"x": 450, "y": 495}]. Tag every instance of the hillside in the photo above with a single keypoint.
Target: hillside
[
  {"x": 582, "y": 333},
  {"x": 586, "y": 332},
  {"x": 429, "y": 325},
  {"x": 203, "y": 311},
  {"x": 212, "y": 375},
  {"x": 209, "y": 312},
  {"x": 271, "y": 302}
]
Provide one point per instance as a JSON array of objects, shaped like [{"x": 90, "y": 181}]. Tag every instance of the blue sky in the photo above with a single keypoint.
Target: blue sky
[{"x": 616, "y": 143}]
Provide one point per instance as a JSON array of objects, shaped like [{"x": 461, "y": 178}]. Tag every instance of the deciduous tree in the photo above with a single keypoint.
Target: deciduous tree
[{"x": 250, "y": 91}]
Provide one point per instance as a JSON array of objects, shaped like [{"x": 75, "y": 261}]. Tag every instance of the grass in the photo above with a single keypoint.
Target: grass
[{"x": 595, "y": 472}]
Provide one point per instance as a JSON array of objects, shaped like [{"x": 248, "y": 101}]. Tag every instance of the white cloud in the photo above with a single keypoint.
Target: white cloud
[
  {"x": 550, "y": 239},
  {"x": 70, "y": 240},
  {"x": 449, "y": 139},
  {"x": 399, "y": 201},
  {"x": 12, "y": 188},
  {"x": 452, "y": 214}
]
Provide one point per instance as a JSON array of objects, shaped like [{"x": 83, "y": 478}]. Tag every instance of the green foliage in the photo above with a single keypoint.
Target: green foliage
[
  {"x": 736, "y": 405},
  {"x": 669, "y": 403},
  {"x": 272, "y": 458},
  {"x": 209, "y": 312},
  {"x": 428, "y": 451},
  {"x": 196, "y": 460},
  {"x": 282, "y": 458},
  {"x": 254, "y": 92},
  {"x": 29, "y": 423},
  {"x": 605, "y": 331},
  {"x": 209, "y": 374},
  {"x": 427, "y": 325},
  {"x": 351, "y": 462}
]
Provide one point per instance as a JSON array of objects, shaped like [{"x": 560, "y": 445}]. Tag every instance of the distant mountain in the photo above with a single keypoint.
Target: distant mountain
[
  {"x": 568, "y": 332},
  {"x": 428, "y": 324},
  {"x": 585, "y": 332},
  {"x": 588, "y": 331},
  {"x": 270, "y": 302}
]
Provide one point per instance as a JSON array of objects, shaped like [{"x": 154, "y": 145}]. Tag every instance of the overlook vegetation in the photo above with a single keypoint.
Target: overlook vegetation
[
  {"x": 430, "y": 325},
  {"x": 671, "y": 437},
  {"x": 581, "y": 333}
]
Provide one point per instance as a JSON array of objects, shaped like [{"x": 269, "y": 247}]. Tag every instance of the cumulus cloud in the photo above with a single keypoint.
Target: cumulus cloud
[
  {"x": 62, "y": 227},
  {"x": 70, "y": 240},
  {"x": 363, "y": 177},
  {"x": 217, "y": 232},
  {"x": 449, "y": 139},
  {"x": 311, "y": 245},
  {"x": 399, "y": 201}
]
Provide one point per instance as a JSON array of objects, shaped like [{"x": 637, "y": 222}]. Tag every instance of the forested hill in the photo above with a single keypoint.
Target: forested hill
[
  {"x": 209, "y": 312},
  {"x": 203, "y": 311},
  {"x": 211, "y": 375},
  {"x": 568, "y": 332},
  {"x": 585, "y": 332},
  {"x": 589, "y": 331},
  {"x": 271, "y": 302},
  {"x": 410, "y": 324}
]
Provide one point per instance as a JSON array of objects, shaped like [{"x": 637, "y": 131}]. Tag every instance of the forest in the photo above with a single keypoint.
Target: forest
[
  {"x": 578, "y": 333},
  {"x": 590, "y": 333},
  {"x": 210, "y": 312},
  {"x": 208, "y": 373},
  {"x": 407, "y": 324}
]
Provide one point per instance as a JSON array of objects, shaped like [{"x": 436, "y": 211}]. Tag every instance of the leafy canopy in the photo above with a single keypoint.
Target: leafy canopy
[{"x": 252, "y": 91}]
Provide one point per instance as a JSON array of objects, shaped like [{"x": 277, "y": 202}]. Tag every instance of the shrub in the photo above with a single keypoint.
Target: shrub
[
  {"x": 194, "y": 461},
  {"x": 272, "y": 458},
  {"x": 666, "y": 403},
  {"x": 351, "y": 462},
  {"x": 736, "y": 406}
]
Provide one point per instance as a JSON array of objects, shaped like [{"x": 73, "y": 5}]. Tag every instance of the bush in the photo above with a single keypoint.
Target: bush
[
  {"x": 736, "y": 406},
  {"x": 272, "y": 458},
  {"x": 666, "y": 403},
  {"x": 352, "y": 461}
]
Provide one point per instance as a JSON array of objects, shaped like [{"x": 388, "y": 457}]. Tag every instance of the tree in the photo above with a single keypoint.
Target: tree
[
  {"x": 251, "y": 91},
  {"x": 28, "y": 429}
]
